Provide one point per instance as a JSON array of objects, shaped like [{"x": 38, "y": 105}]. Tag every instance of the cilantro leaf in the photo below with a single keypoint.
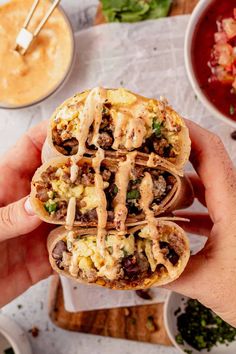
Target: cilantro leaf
[
  {"x": 156, "y": 126},
  {"x": 50, "y": 206},
  {"x": 133, "y": 194}
]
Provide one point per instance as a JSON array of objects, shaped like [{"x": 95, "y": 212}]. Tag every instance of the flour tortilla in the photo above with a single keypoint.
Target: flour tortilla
[
  {"x": 181, "y": 195},
  {"x": 49, "y": 151},
  {"x": 152, "y": 281}
]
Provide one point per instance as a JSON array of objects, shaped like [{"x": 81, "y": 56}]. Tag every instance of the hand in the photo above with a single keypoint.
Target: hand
[
  {"x": 24, "y": 257},
  {"x": 210, "y": 276}
]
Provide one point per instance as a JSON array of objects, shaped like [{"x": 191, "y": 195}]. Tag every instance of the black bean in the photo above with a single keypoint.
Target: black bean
[
  {"x": 131, "y": 267},
  {"x": 233, "y": 135},
  {"x": 144, "y": 294},
  {"x": 58, "y": 250}
]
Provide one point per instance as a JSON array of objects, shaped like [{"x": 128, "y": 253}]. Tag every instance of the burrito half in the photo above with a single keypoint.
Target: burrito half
[
  {"x": 82, "y": 193},
  {"x": 136, "y": 260},
  {"x": 117, "y": 121}
]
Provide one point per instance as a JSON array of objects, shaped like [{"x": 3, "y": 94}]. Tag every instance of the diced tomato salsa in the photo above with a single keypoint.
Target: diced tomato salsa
[{"x": 214, "y": 55}]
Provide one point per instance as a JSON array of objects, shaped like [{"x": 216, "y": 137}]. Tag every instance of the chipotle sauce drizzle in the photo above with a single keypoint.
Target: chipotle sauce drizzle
[{"x": 219, "y": 94}]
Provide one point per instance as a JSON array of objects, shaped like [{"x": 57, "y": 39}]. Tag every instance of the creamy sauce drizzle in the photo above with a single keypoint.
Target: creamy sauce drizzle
[
  {"x": 102, "y": 207},
  {"x": 122, "y": 181},
  {"x": 70, "y": 216},
  {"x": 74, "y": 169},
  {"x": 146, "y": 191},
  {"x": 135, "y": 133},
  {"x": 92, "y": 112},
  {"x": 120, "y": 126}
]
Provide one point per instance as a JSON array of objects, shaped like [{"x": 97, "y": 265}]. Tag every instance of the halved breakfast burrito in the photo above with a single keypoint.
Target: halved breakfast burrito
[
  {"x": 117, "y": 121},
  {"x": 136, "y": 260},
  {"x": 86, "y": 191}
]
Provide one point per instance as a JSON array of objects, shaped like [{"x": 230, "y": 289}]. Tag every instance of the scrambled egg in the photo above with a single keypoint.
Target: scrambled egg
[
  {"x": 120, "y": 97},
  {"x": 91, "y": 198},
  {"x": 85, "y": 194},
  {"x": 88, "y": 256},
  {"x": 65, "y": 191}
]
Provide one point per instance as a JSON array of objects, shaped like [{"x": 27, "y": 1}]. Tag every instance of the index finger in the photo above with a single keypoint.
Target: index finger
[
  {"x": 25, "y": 155},
  {"x": 215, "y": 168}
]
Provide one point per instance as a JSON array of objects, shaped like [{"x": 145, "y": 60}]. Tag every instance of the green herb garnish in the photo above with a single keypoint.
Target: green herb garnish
[
  {"x": 133, "y": 194},
  {"x": 110, "y": 249},
  {"x": 231, "y": 109},
  {"x": 50, "y": 206},
  {"x": 156, "y": 126},
  {"x": 201, "y": 328},
  {"x": 188, "y": 351},
  {"x": 134, "y": 10},
  {"x": 179, "y": 339},
  {"x": 115, "y": 189},
  {"x": 150, "y": 324}
]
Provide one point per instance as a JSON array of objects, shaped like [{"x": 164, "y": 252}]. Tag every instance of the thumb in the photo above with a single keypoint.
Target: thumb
[{"x": 17, "y": 219}]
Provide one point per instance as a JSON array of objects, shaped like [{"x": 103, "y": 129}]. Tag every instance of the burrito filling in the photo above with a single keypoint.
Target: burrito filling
[
  {"x": 127, "y": 259},
  {"x": 55, "y": 188},
  {"x": 127, "y": 122}
]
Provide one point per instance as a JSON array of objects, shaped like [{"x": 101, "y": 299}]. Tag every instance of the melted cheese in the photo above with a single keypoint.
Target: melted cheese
[{"x": 122, "y": 181}]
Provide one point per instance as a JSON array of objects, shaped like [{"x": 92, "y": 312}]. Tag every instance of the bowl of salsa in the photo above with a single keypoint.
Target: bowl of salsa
[{"x": 210, "y": 56}]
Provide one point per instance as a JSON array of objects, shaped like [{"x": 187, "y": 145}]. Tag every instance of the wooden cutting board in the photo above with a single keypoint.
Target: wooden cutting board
[{"x": 140, "y": 323}]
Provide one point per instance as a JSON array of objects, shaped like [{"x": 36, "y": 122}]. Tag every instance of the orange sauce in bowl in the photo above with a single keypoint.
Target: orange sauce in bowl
[{"x": 29, "y": 78}]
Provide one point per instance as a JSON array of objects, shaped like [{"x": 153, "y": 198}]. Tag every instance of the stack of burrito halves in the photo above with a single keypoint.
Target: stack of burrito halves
[{"x": 112, "y": 174}]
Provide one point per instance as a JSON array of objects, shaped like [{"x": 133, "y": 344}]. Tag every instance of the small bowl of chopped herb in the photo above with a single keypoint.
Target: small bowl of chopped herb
[{"x": 194, "y": 328}]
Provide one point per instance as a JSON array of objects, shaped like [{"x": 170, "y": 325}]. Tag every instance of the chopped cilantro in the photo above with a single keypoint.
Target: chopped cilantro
[
  {"x": 231, "y": 109},
  {"x": 50, "y": 206},
  {"x": 150, "y": 324},
  {"x": 156, "y": 126},
  {"x": 201, "y": 328},
  {"x": 115, "y": 189},
  {"x": 179, "y": 339},
  {"x": 188, "y": 351},
  {"x": 136, "y": 181},
  {"x": 133, "y": 194}
]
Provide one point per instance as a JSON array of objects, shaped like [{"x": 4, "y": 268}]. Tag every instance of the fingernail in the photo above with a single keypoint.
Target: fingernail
[{"x": 28, "y": 207}]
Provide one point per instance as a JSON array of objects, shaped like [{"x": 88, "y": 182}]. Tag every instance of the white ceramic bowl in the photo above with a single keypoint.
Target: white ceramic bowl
[
  {"x": 66, "y": 75},
  {"x": 195, "y": 17},
  {"x": 173, "y": 302},
  {"x": 16, "y": 337}
]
